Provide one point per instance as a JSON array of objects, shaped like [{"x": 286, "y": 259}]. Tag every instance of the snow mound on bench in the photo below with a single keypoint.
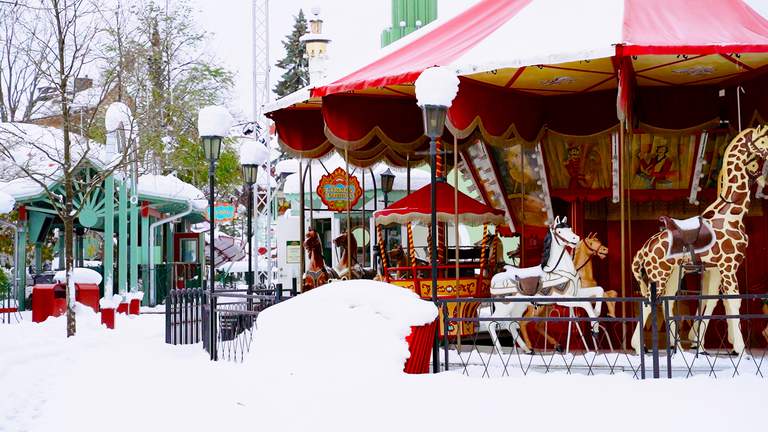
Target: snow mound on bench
[{"x": 347, "y": 327}]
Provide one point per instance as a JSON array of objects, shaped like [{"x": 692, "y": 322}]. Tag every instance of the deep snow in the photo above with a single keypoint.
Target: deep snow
[{"x": 130, "y": 380}]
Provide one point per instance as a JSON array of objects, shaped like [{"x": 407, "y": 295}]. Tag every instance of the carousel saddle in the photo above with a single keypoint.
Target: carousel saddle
[
  {"x": 693, "y": 235},
  {"x": 528, "y": 279}
]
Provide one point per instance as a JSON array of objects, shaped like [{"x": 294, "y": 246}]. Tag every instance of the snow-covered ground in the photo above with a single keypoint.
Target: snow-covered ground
[{"x": 313, "y": 375}]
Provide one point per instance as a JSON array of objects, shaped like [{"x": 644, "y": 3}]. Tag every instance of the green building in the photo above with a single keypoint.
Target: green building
[{"x": 407, "y": 17}]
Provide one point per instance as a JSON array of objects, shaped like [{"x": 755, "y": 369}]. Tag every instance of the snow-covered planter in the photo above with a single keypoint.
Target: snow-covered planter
[
  {"x": 348, "y": 327},
  {"x": 108, "y": 306},
  {"x": 134, "y": 301}
]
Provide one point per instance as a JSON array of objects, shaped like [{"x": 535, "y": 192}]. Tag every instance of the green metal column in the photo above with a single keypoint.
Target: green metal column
[
  {"x": 62, "y": 251},
  {"x": 109, "y": 235},
  {"x": 133, "y": 250},
  {"x": 122, "y": 239},
  {"x": 21, "y": 264},
  {"x": 146, "y": 250}
]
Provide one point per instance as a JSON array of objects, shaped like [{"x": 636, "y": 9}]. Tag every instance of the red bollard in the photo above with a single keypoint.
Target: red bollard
[
  {"x": 108, "y": 317},
  {"x": 420, "y": 345},
  {"x": 133, "y": 308},
  {"x": 122, "y": 308}
]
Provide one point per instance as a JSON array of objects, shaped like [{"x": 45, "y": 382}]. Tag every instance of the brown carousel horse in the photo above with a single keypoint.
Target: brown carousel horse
[
  {"x": 344, "y": 270},
  {"x": 317, "y": 273},
  {"x": 398, "y": 258}
]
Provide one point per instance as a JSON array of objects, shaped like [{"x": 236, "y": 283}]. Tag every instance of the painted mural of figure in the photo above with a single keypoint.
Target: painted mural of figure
[
  {"x": 656, "y": 170},
  {"x": 573, "y": 167}
]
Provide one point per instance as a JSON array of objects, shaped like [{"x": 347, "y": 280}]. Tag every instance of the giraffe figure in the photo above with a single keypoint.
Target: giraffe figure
[{"x": 652, "y": 263}]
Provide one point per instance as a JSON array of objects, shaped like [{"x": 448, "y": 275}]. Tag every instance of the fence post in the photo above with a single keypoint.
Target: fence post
[
  {"x": 670, "y": 337},
  {"x": 168, "y": 308},
  {"x": 654, "y": 330},
  {"x": 642, "y": 339},
  {"x": 445, "y": 334}
]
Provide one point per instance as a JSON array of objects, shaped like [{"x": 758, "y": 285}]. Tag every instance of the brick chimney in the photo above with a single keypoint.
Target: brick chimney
[{"x": 83, "y": 84}]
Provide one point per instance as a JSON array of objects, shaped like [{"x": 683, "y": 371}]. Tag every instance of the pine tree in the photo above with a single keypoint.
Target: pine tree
[{"x": 295, "y": 62}]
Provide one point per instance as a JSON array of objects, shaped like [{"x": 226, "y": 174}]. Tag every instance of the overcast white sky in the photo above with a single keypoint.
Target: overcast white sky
[{"x": 354, "y": 25}]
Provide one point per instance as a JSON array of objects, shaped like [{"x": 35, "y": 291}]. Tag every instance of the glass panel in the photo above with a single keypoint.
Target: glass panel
[{"x": 189, "y": 250}]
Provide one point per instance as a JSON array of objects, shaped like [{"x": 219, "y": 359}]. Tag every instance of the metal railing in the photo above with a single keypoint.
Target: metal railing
[
  {"x": 185, "y": 316},
  {"x": 589, "y": 353},
  {"x": 600, "y": 353}
]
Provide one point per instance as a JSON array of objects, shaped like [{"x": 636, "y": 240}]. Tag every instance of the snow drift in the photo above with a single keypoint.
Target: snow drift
[{"x": 349, "y": 327}]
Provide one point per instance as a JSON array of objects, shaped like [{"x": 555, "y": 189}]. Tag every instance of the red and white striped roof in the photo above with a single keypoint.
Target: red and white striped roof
[{"x": 503, "y": 34}]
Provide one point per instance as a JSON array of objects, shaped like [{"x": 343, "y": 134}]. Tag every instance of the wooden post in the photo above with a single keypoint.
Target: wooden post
[{"x": 109, "y": 235}]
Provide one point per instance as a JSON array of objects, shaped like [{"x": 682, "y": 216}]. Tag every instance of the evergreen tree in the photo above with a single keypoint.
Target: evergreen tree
[{"x": 295, "y": 63}]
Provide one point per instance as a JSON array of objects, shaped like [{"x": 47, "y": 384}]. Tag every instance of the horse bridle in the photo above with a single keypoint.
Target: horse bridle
[
  {"x": 589, "y": 258},
  {"x": 564, "y": 242}
]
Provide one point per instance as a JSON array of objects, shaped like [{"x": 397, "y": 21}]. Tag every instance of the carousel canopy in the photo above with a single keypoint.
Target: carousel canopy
[
  {"x": 527, "y": 66},
  {"x": 416, "y": 208}
]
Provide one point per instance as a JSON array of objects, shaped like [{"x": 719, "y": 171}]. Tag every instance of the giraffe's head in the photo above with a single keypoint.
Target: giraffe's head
[{"x": 758, "y": 142}]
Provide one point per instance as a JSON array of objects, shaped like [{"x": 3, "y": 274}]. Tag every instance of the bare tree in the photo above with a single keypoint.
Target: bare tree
[
  {"x": 76, "y": 27},
  {"x": 20, "y": 62}
]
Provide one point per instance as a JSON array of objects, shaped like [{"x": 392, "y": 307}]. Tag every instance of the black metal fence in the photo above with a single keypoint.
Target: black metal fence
[
  {"x": 235, "y": 320},
  {"x": 608, "y": 350},
  {"x": 185, "y": 316}
]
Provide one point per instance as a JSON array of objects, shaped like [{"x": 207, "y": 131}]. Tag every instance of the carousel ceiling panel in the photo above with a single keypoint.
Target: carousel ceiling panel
[{"x": 692, "y": 70}]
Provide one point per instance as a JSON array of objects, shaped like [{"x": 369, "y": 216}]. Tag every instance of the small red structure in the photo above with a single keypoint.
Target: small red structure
[
  {"x": 133, "y": 306},
  {"x": 420, "y": 345},
  {"x": 48, "y": 300},
  {"x": 108, "y": 317},
  {"x": 88, "y": 294}
]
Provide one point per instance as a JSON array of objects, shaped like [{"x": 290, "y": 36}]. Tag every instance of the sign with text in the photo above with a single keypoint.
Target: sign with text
[
  {"x": 335, "y": 193},
  {"x": 292, "y": 251},
  {"x": 224, "y": 212}
]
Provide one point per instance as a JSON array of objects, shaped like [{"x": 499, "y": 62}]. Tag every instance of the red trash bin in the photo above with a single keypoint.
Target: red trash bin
[
  {"x": 108, "y": 317},
  {"x": 88, "y": 294},
  {"x": 420, "y": 345},
  {"x": 48, "y": 300}
]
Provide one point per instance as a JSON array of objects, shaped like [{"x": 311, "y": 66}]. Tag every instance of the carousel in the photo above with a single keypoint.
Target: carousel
[
  {"x": 464, "y": 272},
  {"x": 615, "y": 120}
]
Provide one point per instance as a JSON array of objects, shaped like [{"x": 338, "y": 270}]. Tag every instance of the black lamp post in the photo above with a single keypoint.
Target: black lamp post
[
  {"x": 250, "y": 171},
  {"x": 387, "y": 181},
  {"x": 435, "y": 89},
  {"x": 213, "y": 123}
]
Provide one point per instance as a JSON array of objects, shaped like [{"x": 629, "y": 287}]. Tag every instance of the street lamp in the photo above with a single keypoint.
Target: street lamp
[
  {"x": 252, "y": 155},
  {"x": 387, "y": 181},
  {"x": 436, "y": 88},
  {"x": 213, "y": 123}
]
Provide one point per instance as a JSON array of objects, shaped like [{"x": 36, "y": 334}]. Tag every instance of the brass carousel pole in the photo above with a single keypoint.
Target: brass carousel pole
[
  {"x": 622, "y": 175},
  {"x": 456, "y": 228},
  {"x": 349, "y": 218}
]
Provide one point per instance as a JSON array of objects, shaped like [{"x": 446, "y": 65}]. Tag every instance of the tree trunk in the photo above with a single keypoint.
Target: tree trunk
[{"x": 68, "y": 266}]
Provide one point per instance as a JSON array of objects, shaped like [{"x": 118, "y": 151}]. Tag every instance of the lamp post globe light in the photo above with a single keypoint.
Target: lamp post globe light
[
  {"x": 387, "y": 181},
  {"x": 252, "y": 155},
  {"x": 436, "y": 88},
  {"x": 213, "y": 124}
]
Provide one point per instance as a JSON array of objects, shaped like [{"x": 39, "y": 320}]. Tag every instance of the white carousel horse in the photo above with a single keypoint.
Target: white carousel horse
[{"x": 556, "y": 277}]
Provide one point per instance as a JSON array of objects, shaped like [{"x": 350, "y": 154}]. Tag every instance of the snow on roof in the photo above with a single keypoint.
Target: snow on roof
[
  {"x": 6, "y": 203},
  {"x": 252, "y": 152},
  {"x": 28, "y": 148},
  {"x": 214, "y": 120},
  {"x": 81, "y": 102},
  {"x": 373, "y": 318},
  {"x": 170, "y": 187}
]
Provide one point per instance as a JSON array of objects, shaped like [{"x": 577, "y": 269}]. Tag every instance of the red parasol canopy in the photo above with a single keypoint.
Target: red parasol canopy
[{"x": 416, "y": 208}]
